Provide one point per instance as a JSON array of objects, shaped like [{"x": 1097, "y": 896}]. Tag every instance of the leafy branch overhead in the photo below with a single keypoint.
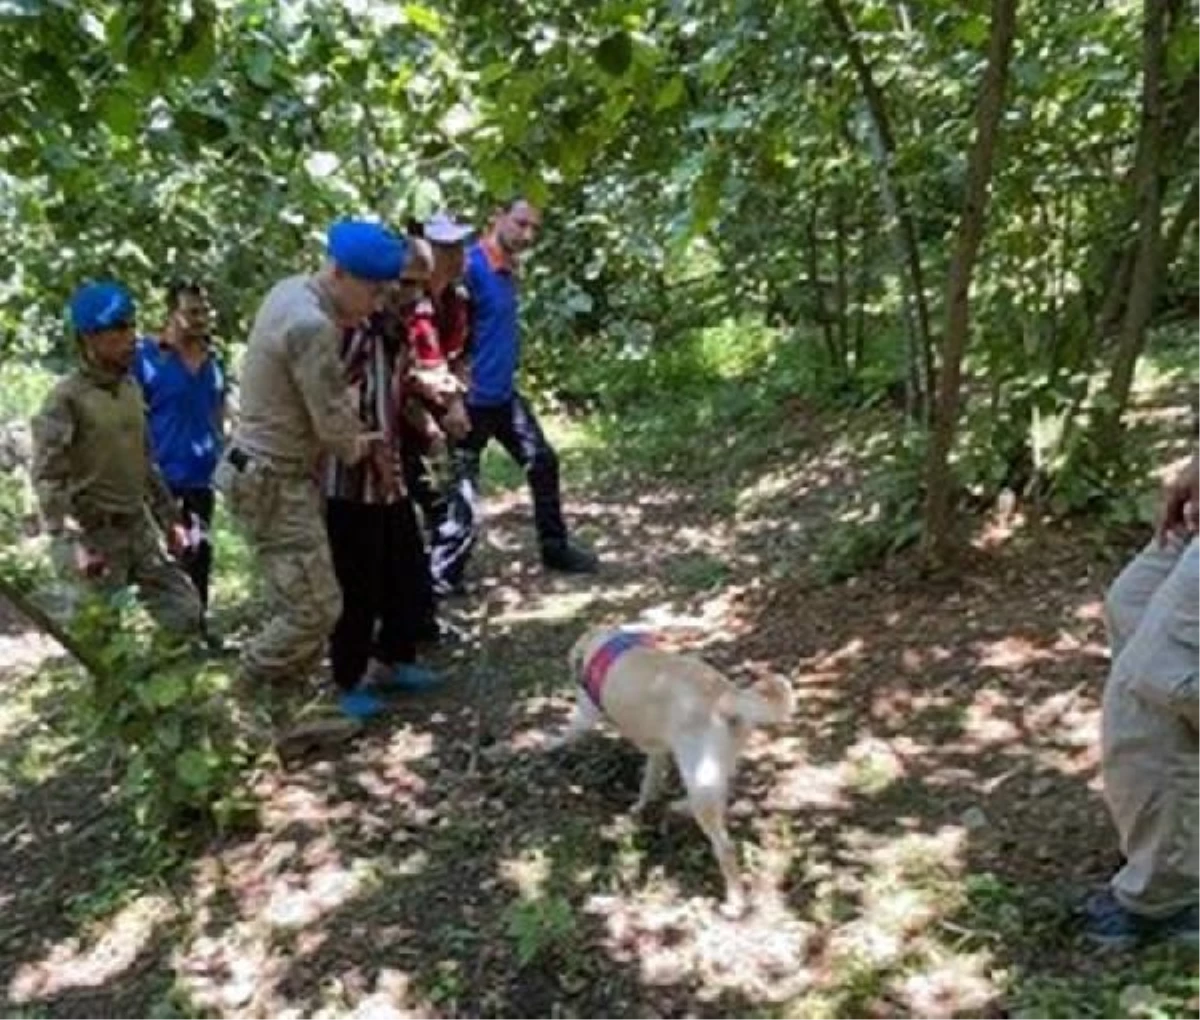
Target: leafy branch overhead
[{"x": 803, "y": 164}]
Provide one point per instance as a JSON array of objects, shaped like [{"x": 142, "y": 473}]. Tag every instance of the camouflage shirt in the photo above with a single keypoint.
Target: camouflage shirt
[
  {"x": 295, "y": 403},
  {"x": 92, "y": 458}
]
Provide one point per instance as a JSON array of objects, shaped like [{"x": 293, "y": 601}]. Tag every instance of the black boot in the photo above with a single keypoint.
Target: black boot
[{"x": 569, "y": 558}]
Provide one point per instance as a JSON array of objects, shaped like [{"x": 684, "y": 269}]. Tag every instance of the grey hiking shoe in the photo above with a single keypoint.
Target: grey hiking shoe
[{"x": 1111, "y": 926}]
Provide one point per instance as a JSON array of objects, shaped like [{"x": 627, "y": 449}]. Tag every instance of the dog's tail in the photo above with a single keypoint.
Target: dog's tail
[{"x": 764, "y": 704}]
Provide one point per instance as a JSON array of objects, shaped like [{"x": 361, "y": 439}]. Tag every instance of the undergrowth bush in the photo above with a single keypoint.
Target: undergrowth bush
[
  {"x": 883, "y": 515},
  {"x": 180, "y": 743}
]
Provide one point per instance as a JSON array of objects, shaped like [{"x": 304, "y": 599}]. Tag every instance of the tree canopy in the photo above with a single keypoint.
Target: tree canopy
[{"x": 803, "y": 163}]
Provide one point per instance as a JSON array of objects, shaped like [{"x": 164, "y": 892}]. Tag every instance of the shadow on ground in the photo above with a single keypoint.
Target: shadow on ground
[{"x": 915, "y": 834}]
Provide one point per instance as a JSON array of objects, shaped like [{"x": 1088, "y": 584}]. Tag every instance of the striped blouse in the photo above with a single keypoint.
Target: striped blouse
[{"x": 377, "y": 362}]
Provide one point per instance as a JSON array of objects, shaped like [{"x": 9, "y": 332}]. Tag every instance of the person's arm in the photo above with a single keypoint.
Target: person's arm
[
  {"x": 1180, "y": 502},
  {"x": 313, "y": 357},
  {"x": 54, "y": 430},
  {"x": 220, "y": 397},
  {"x": 53, "y": 435}
]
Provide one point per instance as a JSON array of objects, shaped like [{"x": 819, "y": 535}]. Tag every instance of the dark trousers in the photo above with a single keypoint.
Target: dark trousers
[
  {"x": 379, "y": 561},
  {"x": 197, "y": 560},
  {"x": 422, "y": 487},
  {"x": 515, "y": 427}
]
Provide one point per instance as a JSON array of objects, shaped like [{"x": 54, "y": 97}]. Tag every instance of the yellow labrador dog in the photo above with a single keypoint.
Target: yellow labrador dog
[{"x": 674, "y": 706}]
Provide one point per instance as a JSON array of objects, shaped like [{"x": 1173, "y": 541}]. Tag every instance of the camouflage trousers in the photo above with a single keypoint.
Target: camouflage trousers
[
  {"x": 280, "y": 515},
  {"x": 1149, "y": 740},
  {"x": 134, "y": 555}
]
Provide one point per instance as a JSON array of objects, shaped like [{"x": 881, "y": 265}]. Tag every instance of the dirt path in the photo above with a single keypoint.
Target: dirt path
[{"x": 915, "y": 834}]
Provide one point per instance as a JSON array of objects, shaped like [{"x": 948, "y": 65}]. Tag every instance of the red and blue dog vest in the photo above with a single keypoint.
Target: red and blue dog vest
[{"x": 595, "y": 669}]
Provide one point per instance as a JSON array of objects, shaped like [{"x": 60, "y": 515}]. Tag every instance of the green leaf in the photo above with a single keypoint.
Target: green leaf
[
  {"x": 614, "y": 53},
  {"x": 165, "y": 689},
  {"x": 116, "y": 30},
  {"x": 671, "y": 94},
  {"x": 495, "y": 72},
  {"x": 198, "y": 44},
  {"x": 192, "y": 768},
  {"x": 974, "y": 30},
  {"x": 200, "y": 126},
  {"x": 259, "y": 70},
  {"x": 425, "y": 19},
  {"x": 119, "y": 111}
]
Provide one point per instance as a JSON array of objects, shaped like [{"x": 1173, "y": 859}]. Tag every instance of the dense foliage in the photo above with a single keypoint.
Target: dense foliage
[{"x": 803, "y": 165}]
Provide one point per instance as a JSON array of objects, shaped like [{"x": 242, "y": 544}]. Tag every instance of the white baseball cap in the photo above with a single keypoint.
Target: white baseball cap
[{"x": 442, "y": 228}]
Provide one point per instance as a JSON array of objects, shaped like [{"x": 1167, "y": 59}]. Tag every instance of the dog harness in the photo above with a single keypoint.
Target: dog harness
[{"x": 595, "y": 669}]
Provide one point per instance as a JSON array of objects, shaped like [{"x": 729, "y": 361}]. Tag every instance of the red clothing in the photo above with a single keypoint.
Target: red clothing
[{"x": 437, "y": 330}]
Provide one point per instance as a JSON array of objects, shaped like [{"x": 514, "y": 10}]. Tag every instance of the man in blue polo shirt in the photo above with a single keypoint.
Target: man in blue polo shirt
[
  {"x": 184, "y": 392},
  {"x": 498, "y": 411}
]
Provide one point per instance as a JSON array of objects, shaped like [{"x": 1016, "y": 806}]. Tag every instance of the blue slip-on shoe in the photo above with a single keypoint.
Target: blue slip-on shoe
[
  {"x": 361, "y": 705},
  {"x": 409, "y": 678}
]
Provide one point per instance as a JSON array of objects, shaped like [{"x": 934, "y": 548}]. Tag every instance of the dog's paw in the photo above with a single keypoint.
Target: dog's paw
[{"x": 735, "y": 906}]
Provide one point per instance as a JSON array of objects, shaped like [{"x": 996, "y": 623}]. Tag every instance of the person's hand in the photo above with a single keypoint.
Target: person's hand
[
  {"x": 455, "y": 421},
  {"x": 1181, "y": 497},
  {"x": 70, "y": 556},
  {"x": 383, "y": 464},
  {"x": 89, "y": 562},
  {"x": 177, "y": 538},
  {"x": 365, "y": 443}
]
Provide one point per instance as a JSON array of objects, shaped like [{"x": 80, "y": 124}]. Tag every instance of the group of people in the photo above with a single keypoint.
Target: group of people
[
  {"x": 407, "y": 342},
  {"x": 401, "y": 350}
]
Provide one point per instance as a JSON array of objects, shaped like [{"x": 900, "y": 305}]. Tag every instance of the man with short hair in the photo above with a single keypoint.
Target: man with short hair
[
  {"x": 497, "y": 410},
  {"x": 94, "y": 474},
  {"x": 184, "y": 389},
  {"x": 297, "y": 408}
]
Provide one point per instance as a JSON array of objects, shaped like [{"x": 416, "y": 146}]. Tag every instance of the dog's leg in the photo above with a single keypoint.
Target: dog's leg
[
  {"x": 710, "y": 816},
  {"x": 652, "y": 779},
  {"x": 706, "y": 772},
  {"x": 584, "y": 717}
]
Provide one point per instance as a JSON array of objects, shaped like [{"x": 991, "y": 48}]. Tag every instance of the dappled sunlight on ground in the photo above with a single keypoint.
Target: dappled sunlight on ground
[
  {"x": 672, "y": 942},
  {"x": 908, "y": 834},
  {"x": 90, "y": 962}
]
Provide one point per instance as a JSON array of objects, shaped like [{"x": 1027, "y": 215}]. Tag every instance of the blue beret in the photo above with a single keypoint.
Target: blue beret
[
  {"x": 367, "y": 250},
  {"x": 100, "y": 306}
]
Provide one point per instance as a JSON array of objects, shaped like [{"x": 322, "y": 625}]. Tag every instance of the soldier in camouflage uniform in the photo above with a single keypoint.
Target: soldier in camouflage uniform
[
  {"x": 295, "y": 407},
  {"x": 94, "y": 473}
]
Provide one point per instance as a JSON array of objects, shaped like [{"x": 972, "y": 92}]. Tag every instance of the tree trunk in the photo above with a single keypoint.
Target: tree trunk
[
  {"x": 861, "y": 286},
  {"x": 1181, "y": 115},
  {"x": 36, "y": 615},
  {"x": 820, "y": 312},
  {"x": 914, "y": 390},
  {"x": 938, "y": 495},
  {"x": 896, "y": 203},
  {"x": 841, "y": 287},
  {"x": 1144, "y": 275}
]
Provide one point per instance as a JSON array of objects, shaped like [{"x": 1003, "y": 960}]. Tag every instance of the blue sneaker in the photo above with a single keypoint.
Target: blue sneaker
[
  {"x": 409, "y": 678},
  {"x": 361, "y": 705}
]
